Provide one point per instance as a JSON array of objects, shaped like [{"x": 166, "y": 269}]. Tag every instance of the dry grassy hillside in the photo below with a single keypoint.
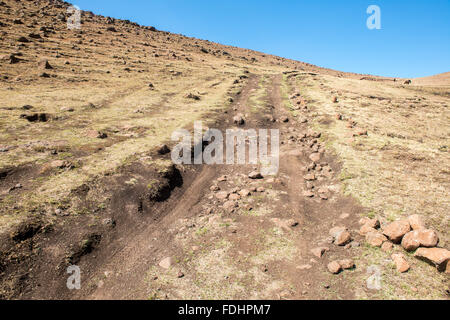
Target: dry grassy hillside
[{"x": 83, "y": 114}]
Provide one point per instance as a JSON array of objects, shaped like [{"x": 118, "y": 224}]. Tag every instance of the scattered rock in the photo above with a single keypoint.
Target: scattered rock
[
  {"x": 437, "y": 256},
  {"x": 347, "y": 264},
  {"x": 97, "y": 134},
  {"x": 387, "y": 246},
  {"x": 396, "y": 230},
  {"x": 244, "y": 193},
  {"x": 340, "y": 235},
  {"x": 230, "y": 205},
  {"x": 400, "y": 262},
  {"x": 239, "y": 120},
  {"x": 417, "y": 222},
  {"x": 372, "y": 223},
  {"x": 23, "y": 40},
  {"x": 214, "y": 188},
  {"x": 375, "y": 238},
  {"x": 60, "y": 164},
  {"x": 255, "y": 175},
  {"x": 163, "y": 149},
  {"x": 192, "y": 96},
  {"x": 284, "y": 119},
  {"x": 44, "y": 64},
  {"x": 308, "y": 194},
  {"x": 334, "y": 267},
  {"x": 365, "y": 229},
  {"x": 319, "y": 252},
  {"x": 315, "y": 157},
  {"x": 310, "y": 177},
  {"x": 10, "y": 58},
  {"x": 166, "y": 263},
  {"x": 222, "y": 195},
  {"x": 234, "y": 197}
]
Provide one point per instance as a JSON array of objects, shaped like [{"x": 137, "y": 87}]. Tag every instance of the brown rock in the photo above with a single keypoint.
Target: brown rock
[
  {"x": 343, "y": 238},
  {"x": 255, "y": 175},
  {"x": 222, "y": 195},
  {"x": 396, "y": 230},
  {"x": 166, "y": 263},
  {"x": 386, "y": 246},
  {"x": 373, "y": 223},
  {"x": 436, "y": 256},
  {"x": 334, "y": 267},
  {"x": 315, "y": 157},
  {"x": 365, "y": 229},
  {"x": 347, "y": 264},
  {"x": 44, "y": 64},
  {"x": 400, "y": 262},
  {"x": 163, "y": 149},
  {"x": 318, "y": 252},
  {"x": 239, "y": 120},
  {"x": 428, "y": 238},
  {"x": 244, "y": 193},
  {"x": 417, "y": 222},
  {"x": 375, "y": 239},
  {"x": 420, "y": 238},
  {"x": 234, "y": 196},
  {"x": 410, "y": 241},
  {"x": 310, "y": 177},
  {"x": 230, "y": 205},
  {"x": 308, "y": 194}
]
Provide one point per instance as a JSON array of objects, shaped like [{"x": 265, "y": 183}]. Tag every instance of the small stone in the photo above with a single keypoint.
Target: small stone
[
  {"x": 244, "y": 193},
  {"x": 239, "y": 120},
  {"x": 373, "y": 223},
  {"x": 308, "y": 194},
  {"x": 214, "y": 188},
  {"x": 343, "y": 238},
  {"x": 420, "y": 238},
  {"x": 44, "y": 64},
  {"x": 375, "y": 239},
  {"x": 365, "y": 229},
  {"x": 163, "y": 149},
  {"x": 319, "y": 252},
  {"x": 334, "y": 267},
  {"x": 304, "y": 267},
  {"x": 255, "y": 175},
  {"x": 310, "y": 177},
  {"x": 222, "y": 178},
  {"x": 347, "y": 264},
  {"x": 410, "y": 241},
  {"x": 417, "y": 222},
  {"x": 315, "y": 157},
  {"x": 234, "y": 196},
  {"x": 230, "y": 205},
  {"x": 439, "y": 257},
  {"x": 400, "y": 262},
  {"x": 180, "y": 275},
  {"x": 222, "y": 195},
  {"x": 387, "y": 246},
  {"x": 396, "y": 230},
  {"x": 166, "y": 263},
  {"x": 261, "y": 189}
]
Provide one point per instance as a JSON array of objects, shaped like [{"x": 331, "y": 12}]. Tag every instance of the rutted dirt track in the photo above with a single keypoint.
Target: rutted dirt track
[{"x": 259, "y": 247}]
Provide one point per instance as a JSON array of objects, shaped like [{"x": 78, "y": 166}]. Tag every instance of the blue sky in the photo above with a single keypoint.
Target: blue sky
[{"x": 414, "y": 40}]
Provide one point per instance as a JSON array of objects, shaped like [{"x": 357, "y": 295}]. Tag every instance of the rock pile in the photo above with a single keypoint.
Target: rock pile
[{"x": 411, "y": 234}]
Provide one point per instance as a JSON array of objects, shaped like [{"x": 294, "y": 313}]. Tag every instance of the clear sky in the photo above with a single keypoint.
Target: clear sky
[{"x": 414, "y": 40}]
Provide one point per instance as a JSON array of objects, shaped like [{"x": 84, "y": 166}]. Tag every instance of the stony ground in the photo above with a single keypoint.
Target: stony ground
[{"x": 358, "y": 209}]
